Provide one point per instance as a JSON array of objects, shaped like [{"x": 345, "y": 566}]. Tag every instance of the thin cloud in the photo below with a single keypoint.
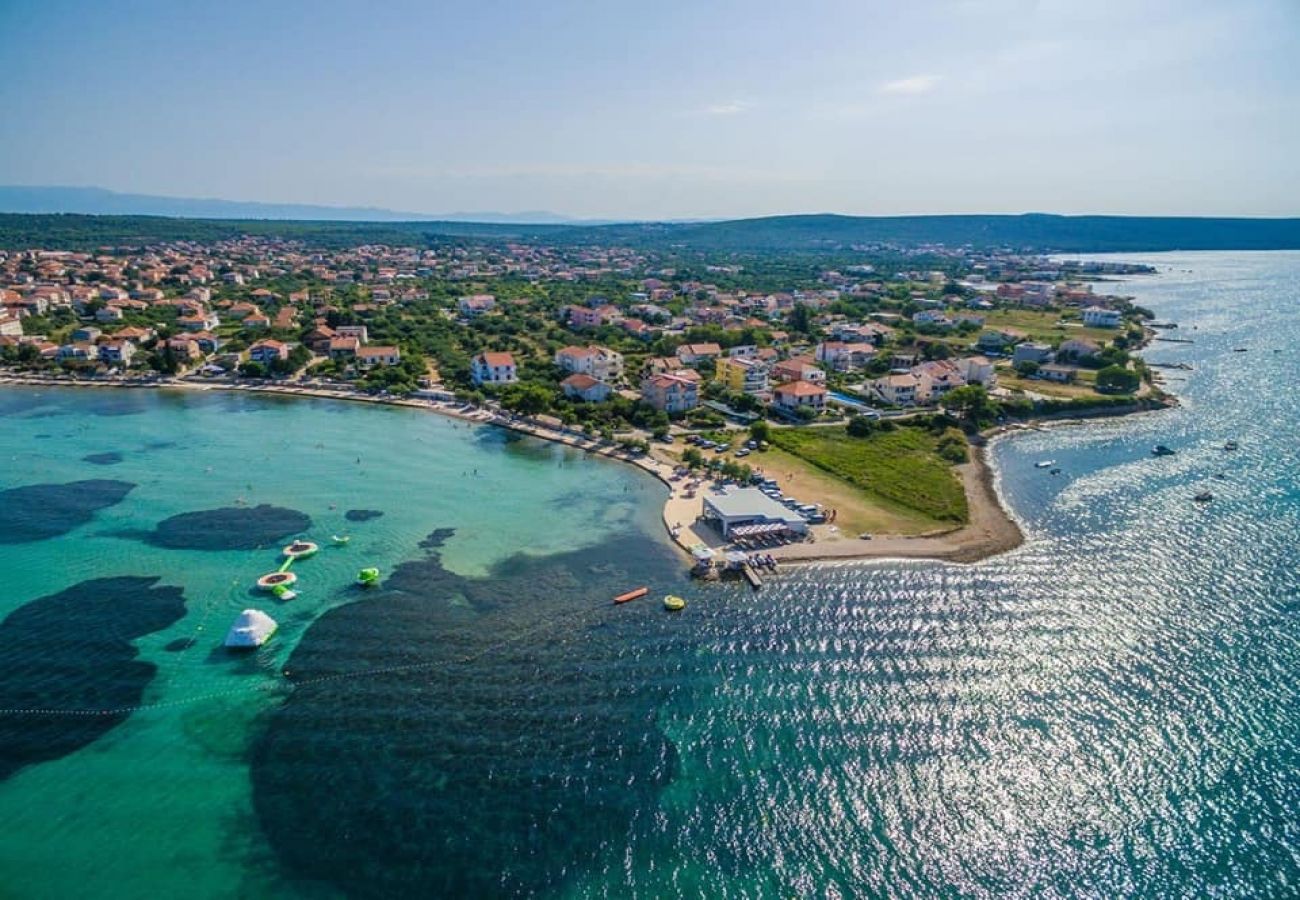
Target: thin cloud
[
  {"x": 734, "y": 108},
  {"x": 909, "y": 87}
]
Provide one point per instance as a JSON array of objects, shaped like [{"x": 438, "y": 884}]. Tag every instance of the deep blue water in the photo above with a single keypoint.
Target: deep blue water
[{"x": 1110, "y": 710}]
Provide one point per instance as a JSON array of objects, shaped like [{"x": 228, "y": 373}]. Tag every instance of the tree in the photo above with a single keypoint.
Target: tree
[
  {"x": 800, "y": 319},
  {"x": 971, "y": 401},
  {"x": 692, "y": 458},
  {"x": 1027, "y": 368},
  {"x": 760, "y": 430},
  {"x": 1117, "y": 379},
  {"x": 861, "y": 426},
  {"x": 527, "y": 399}
]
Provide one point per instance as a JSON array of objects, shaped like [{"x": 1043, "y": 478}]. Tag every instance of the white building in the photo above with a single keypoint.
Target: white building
[
  {"x": 1100, "y": 317},
  {"x": 494, "y": 368}
]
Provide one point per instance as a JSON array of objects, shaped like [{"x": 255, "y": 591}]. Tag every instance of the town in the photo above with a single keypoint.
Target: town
[{"x": 739, "y": 364}]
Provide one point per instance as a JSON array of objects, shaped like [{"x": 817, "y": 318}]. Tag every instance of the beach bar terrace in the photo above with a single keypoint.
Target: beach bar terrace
[{"x": 741, "y": 512}]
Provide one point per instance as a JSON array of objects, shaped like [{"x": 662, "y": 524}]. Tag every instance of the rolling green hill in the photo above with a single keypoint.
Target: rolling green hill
[{"x": 1035, "y": 232}]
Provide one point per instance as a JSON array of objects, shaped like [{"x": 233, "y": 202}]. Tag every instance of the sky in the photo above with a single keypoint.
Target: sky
[{"x": 664, "y": 109}]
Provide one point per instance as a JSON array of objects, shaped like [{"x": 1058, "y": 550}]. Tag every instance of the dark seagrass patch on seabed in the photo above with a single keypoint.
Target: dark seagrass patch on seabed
[
  {"x": 484, "y": 747},
  {"x": 110, "y": 458},
  {"x": 362, "y": 515},
  {"x": 69, "y": 659},
  {"x": 36, "y": 512},
  {"x": 228, "y": 528}
]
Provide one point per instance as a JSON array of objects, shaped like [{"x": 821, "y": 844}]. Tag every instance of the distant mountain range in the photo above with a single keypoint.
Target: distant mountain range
[
  {"x": 96, "y": 201},
  {"x": 79, "y": 218}
]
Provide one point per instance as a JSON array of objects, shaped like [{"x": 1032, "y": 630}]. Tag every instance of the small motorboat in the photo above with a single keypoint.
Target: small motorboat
[
  {"x": 1203, "y": 497},
  {"x": 1055, "y": 471},
  {"x": 252, "y": 629},
  {"x": 673, "y": 603},
  {"x": 635, "y": 594},
  {"x": 1161, "y": 450},
  {"x": 300, "y": 550},
  {"x": 340, "y": 540},
  {"x": 368, "y": 577},
  {"x": 1231, "y": 445},
  {"x": 1045, "y": 464}
]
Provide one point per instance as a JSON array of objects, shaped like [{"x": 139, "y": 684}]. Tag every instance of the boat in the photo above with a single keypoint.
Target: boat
[
  {"x": 1161, "y": 450},
  {"x": 634, "y": 594},
  {"x": 1231, "y": 445},
  {"x": 252, "y": 629},
  {"x": 300, "y": 550},
  {"x": 368, "y": 577},
  {"x": 283, "y": 593},
  {"x": 275, "y": 581},
  {"x": 340, "y": 540},
  {"x": 1044, "y": 464},
  {"x": 673, "y": 603},
  {"x": 1203, "y": 497},
  {"x": 1056, "y": 471}
]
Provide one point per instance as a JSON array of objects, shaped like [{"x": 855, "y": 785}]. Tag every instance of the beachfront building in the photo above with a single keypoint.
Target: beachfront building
[
  {"x": 116, "y": 352},
  {"x": 494, "y": 368},
  {"x": 798, "y": 395},
  {"x": 672, "y": 394},
  {"x": 745, "y": 512},
  {"x": 378, "y": 356},
  {"x": 600, "y": 363},
  {"x": 743, "y": 375},
  {"x": 977, "y": 370},
  {"x": 580, "y": 386},
  {"x": 1028, "y": 352},
  {"x": 1100, "y": 317},
  {"x": 268, "y": 351}
]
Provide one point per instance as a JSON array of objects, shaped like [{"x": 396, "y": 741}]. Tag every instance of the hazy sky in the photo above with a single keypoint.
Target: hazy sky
[{"x": 664, "y": 108}]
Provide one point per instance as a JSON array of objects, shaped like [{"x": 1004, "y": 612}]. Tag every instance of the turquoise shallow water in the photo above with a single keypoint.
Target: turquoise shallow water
[{"x": 1108, "y": 711}]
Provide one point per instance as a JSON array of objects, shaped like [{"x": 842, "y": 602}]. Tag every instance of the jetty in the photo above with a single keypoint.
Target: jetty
[{"x": 751, "y": 576}]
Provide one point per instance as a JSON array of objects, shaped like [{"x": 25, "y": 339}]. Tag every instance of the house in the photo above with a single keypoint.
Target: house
[
  {"x": 242, "y": 310},
  {"x": 116, "y": 351},
  {"x": 1077, "y": 348},
  {"x": 343, "y": 347},
  {"x": 494, "y": 368},
  {"x": 10, "y": 326},
  {"x": 693, "y": 354},
  {"x": 1058, "y": 373},
  {"x": 378, "y": 356},
  {"x": 184, "y": 348},
  {"x": 937, "y": 378},
  {"x": 319, "y": 338},
  {"x": 257, "y": 320},
  {"x": 671, "y": 393},
  {"x": 800, "y": 395},
  {"x": 1100, "y": 317},
  {"x": 639, "y": 329},
  {"x": 78, "y": 351},
  {"x": 798, "y": 368},
  {"x": 356, "y": 331},
  {"x": 268, "y": 351},
  {"x": 932, "y": 317},
  {"x": 600, "y": 363},
  {"x": 476, "y": 305},
  {"x": 1029, "y": 352},
  {"x": 87, "y": 334},
  {"x": 743, "y": 374},
  {"x": 898, "y": 390},
  {"x": 580, "y": 386},
  {"x": 135, "y": 333},
  {"x": 109, "y": 314},
  {"x": 842, "y": 356},
  {"x": 589, "y": 317},
  {"x": 977, "y": 370}
]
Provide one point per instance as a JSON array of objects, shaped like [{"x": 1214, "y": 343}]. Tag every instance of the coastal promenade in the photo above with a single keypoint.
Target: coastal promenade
[{"x": 991, "y": 529}]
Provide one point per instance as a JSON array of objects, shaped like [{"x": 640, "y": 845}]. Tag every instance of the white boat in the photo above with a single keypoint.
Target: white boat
[
  {"x": 252, "y": 629},
  {"x": 1045, "y": 464}
]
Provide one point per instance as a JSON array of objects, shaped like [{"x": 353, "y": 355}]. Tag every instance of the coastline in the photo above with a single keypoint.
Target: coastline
[{"x": 992, "y": 529}]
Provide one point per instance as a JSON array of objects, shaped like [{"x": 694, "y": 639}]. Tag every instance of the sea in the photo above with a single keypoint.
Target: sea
[{"x": 1111, "y": 710}]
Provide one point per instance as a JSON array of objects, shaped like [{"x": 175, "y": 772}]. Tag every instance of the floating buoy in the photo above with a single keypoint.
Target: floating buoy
[{"x": 673, "y": 603}]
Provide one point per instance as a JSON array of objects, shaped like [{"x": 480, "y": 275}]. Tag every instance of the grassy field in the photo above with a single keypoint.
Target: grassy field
[
  {"x": 900, "y": 470},
  {"x": 1045, "y": 325}
]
